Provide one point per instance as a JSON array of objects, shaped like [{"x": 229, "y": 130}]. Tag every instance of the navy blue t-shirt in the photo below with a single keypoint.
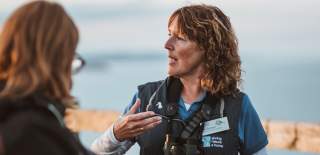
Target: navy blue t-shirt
[{"x": 251, "y": 132}]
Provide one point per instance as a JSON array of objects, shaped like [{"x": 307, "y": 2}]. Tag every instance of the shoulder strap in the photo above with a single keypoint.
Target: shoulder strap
[
  {"x": 173, "y": 95},
  {"x": 204, "y": 113}
]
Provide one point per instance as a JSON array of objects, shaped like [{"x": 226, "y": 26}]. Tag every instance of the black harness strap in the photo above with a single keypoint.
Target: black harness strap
[
  {"x": 174, "y": 89},
  {"x": 173, "y": 95},
  {"x": 204, "y": 113},
  {"x": 190, "y": 135}
]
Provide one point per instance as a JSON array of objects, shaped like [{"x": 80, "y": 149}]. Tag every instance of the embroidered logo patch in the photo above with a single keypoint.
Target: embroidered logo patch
[{"x": 159, "y": 105}]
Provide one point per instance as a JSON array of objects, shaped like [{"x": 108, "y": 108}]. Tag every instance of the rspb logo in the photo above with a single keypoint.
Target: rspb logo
[{"x": 212, "y": 141}]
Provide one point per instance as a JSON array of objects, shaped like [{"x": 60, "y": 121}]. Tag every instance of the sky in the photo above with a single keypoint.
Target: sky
[{"x": 263, "y": 27}]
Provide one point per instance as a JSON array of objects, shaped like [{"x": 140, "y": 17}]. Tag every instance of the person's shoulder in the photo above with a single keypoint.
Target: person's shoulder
[
  {"x": 150, "y": 85},
  {"x": 241, "y": 94},
  {"x": 31, "y": 119},
  {"x": 246, "y": 102},
  {"x": 42, "y": 129},
  {"x": 246, "y": 105},
  {"x": 237, "y": 97},
  {"x": 22, "y": 125}
]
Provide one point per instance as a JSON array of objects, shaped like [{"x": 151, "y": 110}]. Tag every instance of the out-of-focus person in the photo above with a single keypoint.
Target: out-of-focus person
[{"x": 37, "y": 50}]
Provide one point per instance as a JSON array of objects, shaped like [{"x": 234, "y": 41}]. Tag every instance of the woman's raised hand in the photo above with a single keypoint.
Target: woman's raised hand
[{"x": 131, "y": 124}]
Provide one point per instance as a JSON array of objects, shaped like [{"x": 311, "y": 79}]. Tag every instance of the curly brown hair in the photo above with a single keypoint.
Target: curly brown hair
[
  {"x": 37, "y": 46},
  {"x": 211, "y": 29}
]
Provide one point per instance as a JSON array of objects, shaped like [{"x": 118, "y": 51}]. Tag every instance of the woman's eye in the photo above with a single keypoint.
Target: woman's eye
[
  {"x": 180, "y": 38},
  {"x": 176, "y": 37}
]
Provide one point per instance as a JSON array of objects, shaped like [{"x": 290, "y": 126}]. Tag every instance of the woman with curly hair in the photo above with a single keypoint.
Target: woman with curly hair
[{"x": 199, "y": 108}]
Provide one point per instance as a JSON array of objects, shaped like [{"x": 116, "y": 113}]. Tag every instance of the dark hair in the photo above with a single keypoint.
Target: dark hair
[
  {"x": 38, "y": 43},
  {"x": 211, "y": 29}
]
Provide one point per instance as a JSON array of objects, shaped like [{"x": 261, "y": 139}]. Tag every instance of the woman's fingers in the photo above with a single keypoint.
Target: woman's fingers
[
  {"x": 136, "y": 121},
  {"x": 141, "y": 130},
  {"x": 147, "y": 121},
  {"x": 140, "y": 116},
  {"x": 152, "y": 125},
  {"x": 135, "y": 107}
]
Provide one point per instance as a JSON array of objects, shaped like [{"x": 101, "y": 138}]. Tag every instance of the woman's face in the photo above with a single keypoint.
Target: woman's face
[{"x": 184, "y": 56}]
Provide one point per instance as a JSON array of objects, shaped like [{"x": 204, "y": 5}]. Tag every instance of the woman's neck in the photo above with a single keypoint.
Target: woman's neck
[{"x": 191, "y": 89}]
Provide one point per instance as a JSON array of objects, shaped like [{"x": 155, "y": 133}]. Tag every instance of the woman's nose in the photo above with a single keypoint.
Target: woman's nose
[{"x": 168, "y": 45}]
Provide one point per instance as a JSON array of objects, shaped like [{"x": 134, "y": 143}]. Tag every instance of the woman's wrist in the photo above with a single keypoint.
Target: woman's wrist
[{"x": 115, "y": 134}]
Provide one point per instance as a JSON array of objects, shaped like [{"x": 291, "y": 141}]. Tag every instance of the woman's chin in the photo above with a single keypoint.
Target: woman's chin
[{"x": 172, "y": 73}]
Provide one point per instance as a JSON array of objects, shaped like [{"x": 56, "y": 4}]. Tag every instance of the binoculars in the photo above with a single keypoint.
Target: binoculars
[{"x": 173, "y": 147}]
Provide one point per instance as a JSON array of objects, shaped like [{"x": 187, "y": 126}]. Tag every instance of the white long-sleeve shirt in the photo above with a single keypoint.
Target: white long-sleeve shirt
[{"x": 108, "y": 144}]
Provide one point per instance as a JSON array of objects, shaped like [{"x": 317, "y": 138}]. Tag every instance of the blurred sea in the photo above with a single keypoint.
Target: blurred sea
[{"x": 280, "y": 89}]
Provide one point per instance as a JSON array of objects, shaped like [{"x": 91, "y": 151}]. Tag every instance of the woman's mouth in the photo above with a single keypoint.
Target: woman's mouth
[{"x": 172, "y": 60}]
